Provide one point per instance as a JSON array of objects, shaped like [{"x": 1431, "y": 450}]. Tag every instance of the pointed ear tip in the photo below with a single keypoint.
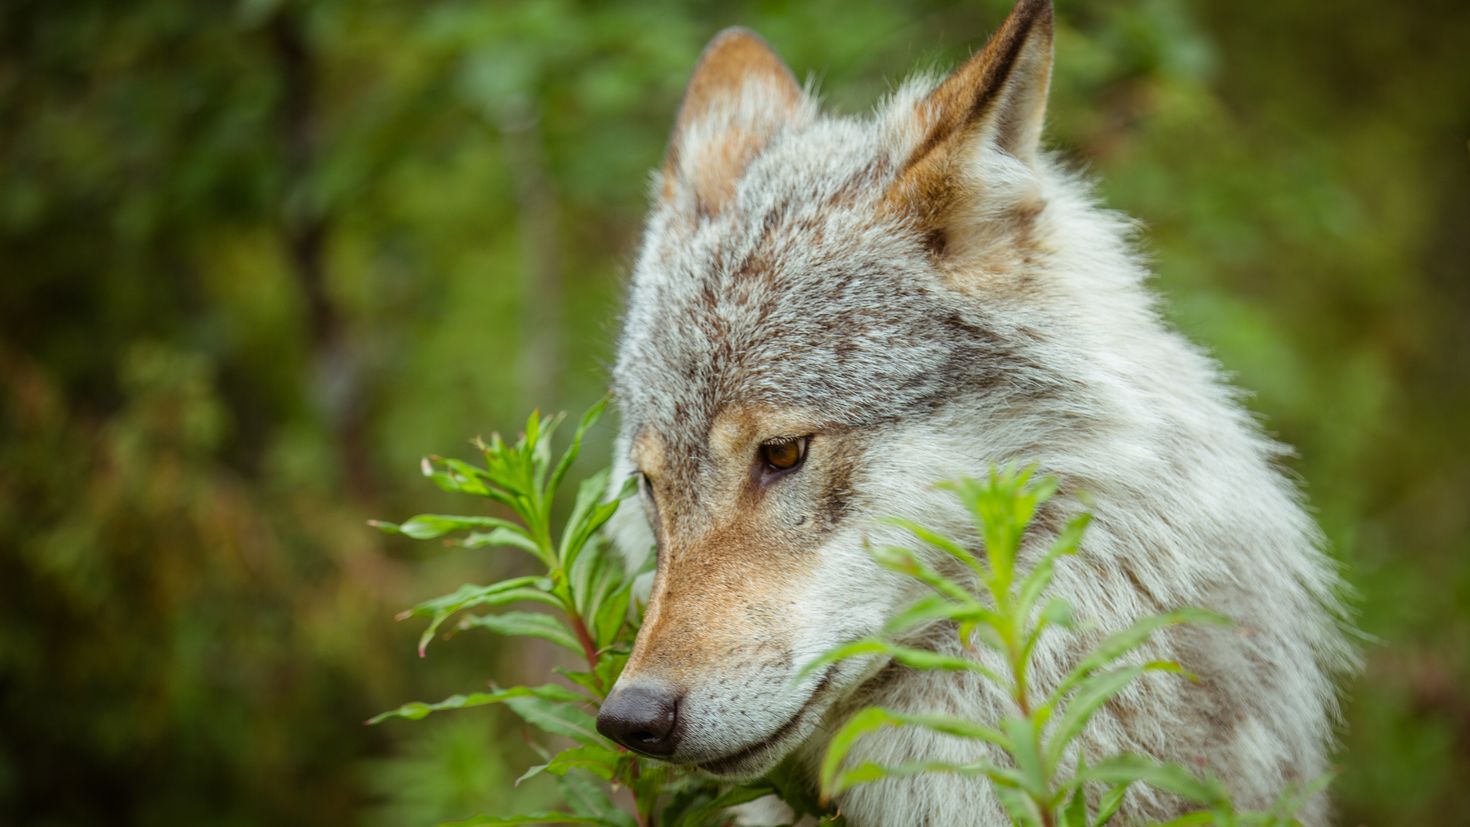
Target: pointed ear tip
[
  {"x": 735, "y": 32},
  {"x": 1035, "y": 8},
  {"x": 735, "y": 38},
  {"x": 736, "y": 52},
  {"x": 1031, "y": 14}
]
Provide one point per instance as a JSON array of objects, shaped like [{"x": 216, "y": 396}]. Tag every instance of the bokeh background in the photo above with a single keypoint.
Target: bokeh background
[{"x": 257, "y": 257}]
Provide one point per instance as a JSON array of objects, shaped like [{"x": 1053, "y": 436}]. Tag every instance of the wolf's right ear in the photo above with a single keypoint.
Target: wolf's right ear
[{"x": 740, "y": 95}]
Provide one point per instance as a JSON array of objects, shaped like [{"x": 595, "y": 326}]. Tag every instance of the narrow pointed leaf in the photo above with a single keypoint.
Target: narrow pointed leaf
[
  {"x": 525, "y": 624},
  {"x": 1091, "y": 694},
  {"x": 429, "y": 526},
  {"x": 1121, "y": 643},
  {"x": 588, "y": 796},
  {"x": 934, "y": 608},
  {"x": 942, "y": 543},
  {"x": 558, "y": 717},
  {"x": 546, "y": 817},
  {"x": 417, "y": 710},
  {"x": 598, "y": 760},
  {"x": 503, "y": 537},
  {"x": 1108, "y": 805},
  {"x": 1169, "y": 778},
  {"x": 470, "y": 596},
  {"x": 565, "y": 463},
  {"x": 907, "y": 655}
]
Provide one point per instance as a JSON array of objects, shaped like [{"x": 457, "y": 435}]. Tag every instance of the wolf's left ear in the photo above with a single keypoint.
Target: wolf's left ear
[
  {"x": 740, "y": 95},
  {"x": 995, "y": 102}
]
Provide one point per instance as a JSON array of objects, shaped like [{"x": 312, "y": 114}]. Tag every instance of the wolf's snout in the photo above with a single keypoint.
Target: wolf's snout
[{"x": 643, "y": 718}]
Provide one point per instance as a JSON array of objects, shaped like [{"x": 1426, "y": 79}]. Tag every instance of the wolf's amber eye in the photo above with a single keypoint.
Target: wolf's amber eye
[{"x": 783, "y": 454}]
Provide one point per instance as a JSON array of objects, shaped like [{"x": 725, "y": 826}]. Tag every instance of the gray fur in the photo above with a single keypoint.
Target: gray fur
[{"x": 1039, "y": 343}]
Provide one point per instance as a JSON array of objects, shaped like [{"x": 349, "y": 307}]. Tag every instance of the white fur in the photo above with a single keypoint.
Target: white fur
[{"x": 1088, "y": 383}]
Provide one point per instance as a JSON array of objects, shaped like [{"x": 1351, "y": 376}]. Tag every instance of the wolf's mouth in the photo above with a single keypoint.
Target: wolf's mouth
[{"x": 732, "y": 762}]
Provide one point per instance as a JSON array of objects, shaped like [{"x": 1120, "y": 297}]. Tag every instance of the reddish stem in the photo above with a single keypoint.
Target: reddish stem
[{"x": 589, "y": 649}]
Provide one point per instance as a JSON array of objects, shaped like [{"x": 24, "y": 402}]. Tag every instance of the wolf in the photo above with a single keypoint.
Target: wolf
[{"x": 830, "y": 314}]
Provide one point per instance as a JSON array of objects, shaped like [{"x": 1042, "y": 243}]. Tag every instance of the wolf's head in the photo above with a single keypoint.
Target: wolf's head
[{"x": 828, "y": 315}]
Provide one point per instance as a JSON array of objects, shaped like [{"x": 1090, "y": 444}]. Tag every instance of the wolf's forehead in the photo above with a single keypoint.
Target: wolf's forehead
[{"x": 851, "y": 339}]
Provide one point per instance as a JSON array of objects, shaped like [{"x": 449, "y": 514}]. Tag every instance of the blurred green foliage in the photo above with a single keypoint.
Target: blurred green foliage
[{"x": 256, "y": 257}]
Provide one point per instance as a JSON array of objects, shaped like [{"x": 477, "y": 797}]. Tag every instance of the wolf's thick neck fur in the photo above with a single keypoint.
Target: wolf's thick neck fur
[{"x": 929, "y": 295}]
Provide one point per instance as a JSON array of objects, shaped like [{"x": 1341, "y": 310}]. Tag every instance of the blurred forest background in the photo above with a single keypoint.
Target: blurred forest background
[{"x": 257, "y": 257}]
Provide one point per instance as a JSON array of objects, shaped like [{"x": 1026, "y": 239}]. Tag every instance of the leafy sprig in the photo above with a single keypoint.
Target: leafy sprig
[
  {"x": 1040, "y": 773},
  {"x": 593, "y": 616}
]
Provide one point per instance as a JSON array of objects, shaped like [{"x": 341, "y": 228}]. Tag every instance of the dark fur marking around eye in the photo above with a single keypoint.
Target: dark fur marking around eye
[
  {"x": 837, "y": 497},
  {"x": 936, "y": 241}
]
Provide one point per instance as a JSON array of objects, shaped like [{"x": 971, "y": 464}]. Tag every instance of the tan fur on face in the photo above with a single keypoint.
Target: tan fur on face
[
  {"x": 648, "y": 454},
  {"x": 727, "y": 559}
]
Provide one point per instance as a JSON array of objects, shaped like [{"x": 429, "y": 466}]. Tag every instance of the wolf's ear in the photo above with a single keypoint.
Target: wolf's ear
[
  {"x": 740, "y": 95},
  {"x": 996, "y": 102}
]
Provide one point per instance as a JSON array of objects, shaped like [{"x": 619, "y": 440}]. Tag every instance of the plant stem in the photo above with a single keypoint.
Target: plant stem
[
  {"x": 633, "y": 790},
  {"x": 589, "y": 649}
]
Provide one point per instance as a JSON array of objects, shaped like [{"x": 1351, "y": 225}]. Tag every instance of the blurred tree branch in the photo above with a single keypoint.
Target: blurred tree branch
[
  {"x": 338, "y": 380},
  {"x": 537, "y": 229}
]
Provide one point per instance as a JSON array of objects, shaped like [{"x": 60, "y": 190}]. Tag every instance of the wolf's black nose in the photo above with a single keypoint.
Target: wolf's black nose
[{"x": 643, "y": 718}]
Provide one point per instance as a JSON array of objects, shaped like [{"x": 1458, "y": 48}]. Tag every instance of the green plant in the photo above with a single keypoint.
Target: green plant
[
  {"x": 593, "y": 616},
  {"x": 1045, "y": 777}
]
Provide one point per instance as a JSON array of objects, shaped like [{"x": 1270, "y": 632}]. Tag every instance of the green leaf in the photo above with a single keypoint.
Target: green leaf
[
  {"x": 1040, "y": 576},
  {"x": 868, "y": 772},
  {"x": 1108, "y": 806},
  {"x": 592, "y": 577},
  {"x": 612, "y": 613},
  {"x": 600, "y": 761},
  {"x": 942, "y": 543},
  {"x": 1023, "y": 736},
  {"x": 1092, "y": 694},
  {"x": 904, "y": 561},
  {"x": 874, "y": 718},
  {"x": 546, "y": 817},
  {"x": 1019, "y": 806},
  {"x": 459, "y": 477},
  {"x": 502, "y": 538},
  {"x": 468, "y": 596},
  {"x": 610, "y": 664},
  {"x": 1075, "y": 813},
  {"x": 587, "y": 796},
  {"x": 574, "y": 534},
  {"x": 793, "y": 785},
  {"x": 907, "y": 655},
  {"x": 539, "y": 444},
  {"x": 558, "y": 717},
  {"x": 429, "y": 526},
  {"x": 1199, "y": 817},
  {"x": 867, "y": 720},
  {"x": 935, "y": 607},
  {"x": 525, "y": 624},
  {"x": 712, "y": 813},
  {"x": 588, "y": 420},
  {"x": 1057, "y": 612},
  {"x": 418, "y": 710},
  {"x": 1121, "y": 643},
  {"x": 590, "y": 513},
  {"x": 586, "y": 680},
  {"x": 1169, "y": 778}
]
